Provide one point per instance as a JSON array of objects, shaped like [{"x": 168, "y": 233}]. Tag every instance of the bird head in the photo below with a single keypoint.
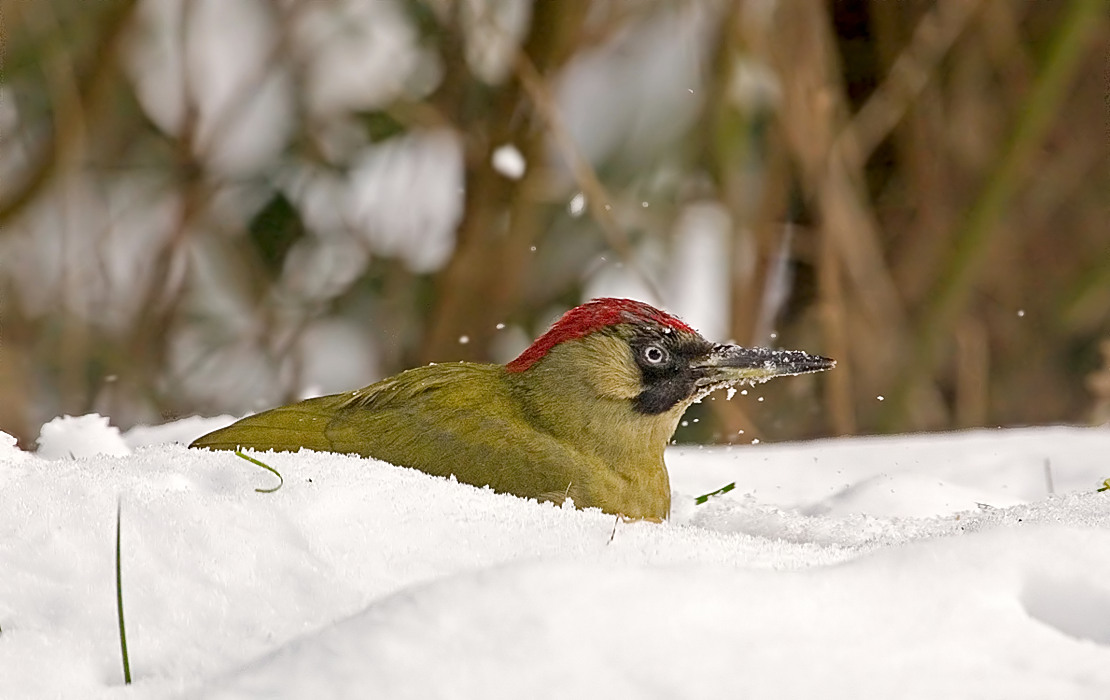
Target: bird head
[{"x": 628, "y": 351}]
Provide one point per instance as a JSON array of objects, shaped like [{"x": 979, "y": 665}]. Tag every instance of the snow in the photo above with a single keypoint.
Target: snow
[
  {"x": 577, "y": 205},
  {"x": 80, "y": 436},
  {"x": 915, "y": 566},
  {"x": 509, "y": 161}
]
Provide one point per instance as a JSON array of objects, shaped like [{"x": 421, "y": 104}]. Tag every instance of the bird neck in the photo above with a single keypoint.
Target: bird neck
[{"x": 582, "y": 392}]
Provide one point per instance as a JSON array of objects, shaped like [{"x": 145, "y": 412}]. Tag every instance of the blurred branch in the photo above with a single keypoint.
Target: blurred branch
[
  {"x": 479, "y": 287},
  {"x": 612, "y": 18},
  {"x": 599, "y": 202},
  {"x": 195, "y": 146},
  {"x": 861, "y": 309},
  {"x": 909, "y": 74},
  {"x": 834, "y": 324},
  {"x": 980, "y": 226},
  {"x": 1098, "y": 384},
  {"x": 72, "y": 113},
  {"x": 1089, "y": 294},
  {"x": 972, "y": 374}
]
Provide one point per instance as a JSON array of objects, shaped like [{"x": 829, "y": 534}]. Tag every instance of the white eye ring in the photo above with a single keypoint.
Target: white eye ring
[{"x": 655, "y": 355}]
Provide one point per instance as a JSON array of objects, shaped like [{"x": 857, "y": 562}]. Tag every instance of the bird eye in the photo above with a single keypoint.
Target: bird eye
[{"x": 654, "y": 355}]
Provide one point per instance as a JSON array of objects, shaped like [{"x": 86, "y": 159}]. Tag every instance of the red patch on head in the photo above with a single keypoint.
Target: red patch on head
[{"x": 593, "y": 316}]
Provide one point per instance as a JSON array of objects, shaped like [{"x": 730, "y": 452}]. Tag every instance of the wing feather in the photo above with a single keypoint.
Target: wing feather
[{"x": 456, "y": 419}]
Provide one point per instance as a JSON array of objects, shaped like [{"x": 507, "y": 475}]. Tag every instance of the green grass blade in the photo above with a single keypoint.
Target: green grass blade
[
  {"x": 267, "y": 467},
  {"x": 724, "y": 489},
  {"x": 119, "y": 605}
]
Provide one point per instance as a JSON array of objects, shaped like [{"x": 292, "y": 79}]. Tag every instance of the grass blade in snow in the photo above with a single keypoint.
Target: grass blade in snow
[
  {"x": 119, "y": 605},
  {"x": 724, "y": 489},
  {"x": 252, "y": 460}
]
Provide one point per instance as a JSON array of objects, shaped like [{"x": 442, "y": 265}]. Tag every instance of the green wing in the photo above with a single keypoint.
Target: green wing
[
  {"x": 457, "y": 418},
  {"x": 285, "y": 429}
]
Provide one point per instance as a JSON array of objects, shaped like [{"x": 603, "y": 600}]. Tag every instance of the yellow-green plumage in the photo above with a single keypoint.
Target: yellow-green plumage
[
  {"x": 569, "y": 422},
  {"x": 481, "y": 424}
]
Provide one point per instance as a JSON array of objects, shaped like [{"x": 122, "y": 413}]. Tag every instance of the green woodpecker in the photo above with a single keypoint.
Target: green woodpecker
[{"x": 584, "y": 413}]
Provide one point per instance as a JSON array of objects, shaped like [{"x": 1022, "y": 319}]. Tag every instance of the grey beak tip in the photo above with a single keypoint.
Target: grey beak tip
[
  {"x": 802, "y": 362},
  {"x": 774, "y": 362}
]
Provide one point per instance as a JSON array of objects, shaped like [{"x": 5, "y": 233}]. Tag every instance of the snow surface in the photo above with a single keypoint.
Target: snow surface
[{"x": 912, "y": 567}]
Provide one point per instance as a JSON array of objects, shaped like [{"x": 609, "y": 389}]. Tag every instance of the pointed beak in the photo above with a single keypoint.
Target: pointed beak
[{"x": 733, "y": 364}]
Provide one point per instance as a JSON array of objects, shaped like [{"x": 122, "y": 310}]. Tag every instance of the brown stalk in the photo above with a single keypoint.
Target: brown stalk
[
  {"x": 980, "y": 225},
  {"x": 906, "y": 79},
  {"x": 972, "y": 375},
  {"x": 480, "y": 284}
]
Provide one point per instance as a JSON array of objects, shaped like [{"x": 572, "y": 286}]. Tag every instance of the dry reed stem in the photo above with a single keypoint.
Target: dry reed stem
[
  {"x": 480, "y": 284},
  {"x": 838, "y": 399},
  {"x": 972, "y": 375},
  {"x": 980, "y": 226},
  {"x": 813, "y": 113},
  {"x": 908, "y": 75}
]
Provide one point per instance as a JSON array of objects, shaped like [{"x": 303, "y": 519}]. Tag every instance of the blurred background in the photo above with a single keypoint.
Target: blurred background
[{"x": 216, "y": 206}]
